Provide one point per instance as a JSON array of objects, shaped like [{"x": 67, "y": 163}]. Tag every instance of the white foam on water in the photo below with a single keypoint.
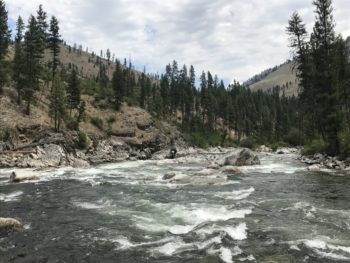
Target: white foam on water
[
  {"x": 249, "y": 258},
  {"x": 182, "y": 219},
  {"x": 236, "y": 195},
  {"x": 226, "y": 255},
  {"x": 237, "y": 233},
  {"x": 323, "y": 248},
  {"x": 179, "y": 229},
  {"x": 170, "y": 248},
  {"x": 273, "y": 166},
  {"x": 15, "y": 196},
  {"x": 101, "y": 204}
]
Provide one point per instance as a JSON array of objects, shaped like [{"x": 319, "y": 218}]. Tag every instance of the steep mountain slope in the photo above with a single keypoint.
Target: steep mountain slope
[
  {"x": 284, "y": 77},
  {"x": 130, "y": 124}
]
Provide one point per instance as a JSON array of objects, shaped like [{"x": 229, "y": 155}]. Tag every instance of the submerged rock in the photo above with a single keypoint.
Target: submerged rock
[
  {"x": 264, "y": 149},
  {"x": 314, "y": 168},
  {"x": 209, "y": 181},
  {"x": 207, "y": 172},
  {"x": 21, "y": 175},
  {"x": 240, "y": 157},
  {"x": 287, "y": 150},
  {"x": 169, "y": 176},
  {"x": 230, "y": 169}
]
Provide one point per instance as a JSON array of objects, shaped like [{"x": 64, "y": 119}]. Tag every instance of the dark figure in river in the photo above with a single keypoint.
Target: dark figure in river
[{"x": 173, "y": 151}]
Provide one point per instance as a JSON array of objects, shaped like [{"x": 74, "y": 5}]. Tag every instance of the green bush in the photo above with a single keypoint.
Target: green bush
[
  {"x": 315, "y": 146},
  {"x": 131, "y": 101},
  {"x": 97, "y": 122},
  {"x": 344, "y": 141},
  {"x": 111, "y": 119},
  {"x": 274, "y": 146},
  {"x": 72, "y": 124},
  {"x": 249, "y": 143},
  {"x": 82, "y": 142},
  {"x": 204, "y": 140},
  {"x": 8, "y": 135},
  {"x": 293, "y": 137}
]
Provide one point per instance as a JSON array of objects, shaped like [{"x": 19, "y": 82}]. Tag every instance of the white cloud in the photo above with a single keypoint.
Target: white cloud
[{"x": 231, "y": 38}]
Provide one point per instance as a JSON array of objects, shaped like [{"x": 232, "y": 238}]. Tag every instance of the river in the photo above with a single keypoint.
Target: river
[{"x": 125, "y": 212}]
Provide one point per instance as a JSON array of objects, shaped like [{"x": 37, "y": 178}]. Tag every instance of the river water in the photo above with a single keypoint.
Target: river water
[{"x": 273, "y": 212}]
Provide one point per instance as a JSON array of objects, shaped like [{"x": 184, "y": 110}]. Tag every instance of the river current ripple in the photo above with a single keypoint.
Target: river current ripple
[{"x": 125, "y": 212}]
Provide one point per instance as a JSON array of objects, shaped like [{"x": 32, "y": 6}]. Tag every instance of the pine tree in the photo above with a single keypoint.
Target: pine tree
[
  {"x": 4, "y": 42},
  {"x": 57, "y": 103},
  {"x": 18, "y": 61},
  {"x": 4, "y": 31},
  {"x": 33, "y": 54},
  {"x": 54, "y": 43},
  {"x": 117, "y": 85},
  {"x": 73, "y": 92},
  {"x": 43, "y": 26},
  {"x": 143, "y": 93},
  {"x": 322, "y": 40}
]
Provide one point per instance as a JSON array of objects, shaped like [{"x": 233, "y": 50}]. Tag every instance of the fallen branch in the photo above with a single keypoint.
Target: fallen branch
[{"x": 18, "y": 152}]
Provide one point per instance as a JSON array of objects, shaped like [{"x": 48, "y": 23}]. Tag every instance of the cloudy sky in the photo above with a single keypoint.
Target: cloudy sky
[{"x": 232, "y": 38}]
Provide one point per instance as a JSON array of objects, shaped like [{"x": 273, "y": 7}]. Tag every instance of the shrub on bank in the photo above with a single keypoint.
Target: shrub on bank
[
  {"x": 249, "y": 143},
  {"x": 82, "y": 142},
  {"x": 97, "y": 122},
  {"x": 315, "y": 146},
  {"x": 344, "y": 141}
]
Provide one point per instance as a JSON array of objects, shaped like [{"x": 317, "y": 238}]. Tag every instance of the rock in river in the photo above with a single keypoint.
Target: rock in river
[
  {"x": 8, "y": 224},
  {"x": 240, "y": 157},
  {"x": 22, "y": 175}
]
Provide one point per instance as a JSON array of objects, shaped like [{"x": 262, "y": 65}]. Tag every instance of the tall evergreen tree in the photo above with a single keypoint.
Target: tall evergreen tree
[
  {"x": 43, "y": 26},
  {"x": 57, "y": 103},
  {"x": 323, "y": 37},
  {"x": 54, "y": 43},
  {"x": 4, "y": 30},
  {"x": 18, "y": 61},
  {"x": 33, "y": 54},
  {"x": 73, "y": 92},
  {"x": 4, "y": 41},
  {"x": 117, "y": 85}
]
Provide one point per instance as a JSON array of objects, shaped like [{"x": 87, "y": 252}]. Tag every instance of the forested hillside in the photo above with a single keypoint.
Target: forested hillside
[{"x": 73, "y": 90}]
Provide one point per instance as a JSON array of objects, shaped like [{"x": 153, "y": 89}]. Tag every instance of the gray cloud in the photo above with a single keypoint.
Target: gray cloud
[{"x": 232, "y": 38}]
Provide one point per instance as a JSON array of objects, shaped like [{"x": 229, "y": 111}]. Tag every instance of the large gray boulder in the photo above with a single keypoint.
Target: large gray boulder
[{"x": 240, "y": 157}]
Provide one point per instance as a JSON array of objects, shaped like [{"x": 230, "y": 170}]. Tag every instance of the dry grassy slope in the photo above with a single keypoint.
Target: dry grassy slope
[
  {"x": 280, "y": 77},
  {"x": 283, "y": 75},
  {"x": 86, "y": 63},
  {"x": 128, "y": 119}
]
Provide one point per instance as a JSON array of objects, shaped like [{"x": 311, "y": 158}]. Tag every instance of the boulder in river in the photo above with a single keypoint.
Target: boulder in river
[
  {"x": 209, "y": 181},
  {"x": 287, "y": 150},
  {"x": 231, "y": 169},
  {"x": 8, "y": 224},
  {"x": 18, "y": 176},
  {"x": 206, "y": 172},
  {"x": 240, "y": 157},
  {"x": 169, "y": 176},
  {"x": 314, "y": 168}
]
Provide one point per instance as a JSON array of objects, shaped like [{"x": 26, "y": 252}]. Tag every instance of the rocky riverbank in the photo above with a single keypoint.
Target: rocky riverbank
[{"x": 321, "y": 162}]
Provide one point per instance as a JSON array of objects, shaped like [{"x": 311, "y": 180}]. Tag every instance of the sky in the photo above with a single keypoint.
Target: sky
[{"x": 234, "y": 39}]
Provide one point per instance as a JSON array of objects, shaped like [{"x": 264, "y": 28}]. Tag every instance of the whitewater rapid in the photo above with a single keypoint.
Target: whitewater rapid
[{"x": 128, "y": 213}]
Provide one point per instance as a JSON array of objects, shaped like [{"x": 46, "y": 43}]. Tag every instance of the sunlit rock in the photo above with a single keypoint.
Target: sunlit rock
[{"x": 18, "y": 176}]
